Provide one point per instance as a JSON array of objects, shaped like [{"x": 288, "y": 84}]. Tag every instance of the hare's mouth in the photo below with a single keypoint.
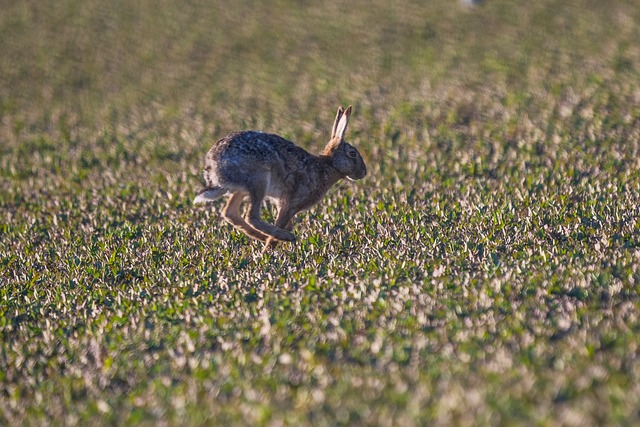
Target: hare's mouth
[{"x": 356, "y": 177}]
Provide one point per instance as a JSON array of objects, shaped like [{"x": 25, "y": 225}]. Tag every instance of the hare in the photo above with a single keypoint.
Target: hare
[{"x": 263, "y": 165}]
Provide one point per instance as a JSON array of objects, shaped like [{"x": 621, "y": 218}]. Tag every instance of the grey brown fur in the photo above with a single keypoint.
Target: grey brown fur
[{"x": 261, "y": 165}]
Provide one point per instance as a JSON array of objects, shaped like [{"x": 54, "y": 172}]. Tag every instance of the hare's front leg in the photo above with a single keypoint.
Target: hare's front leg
[
  {"x": 231, "y": 213},
  {"x": 284, "y": 220},
  {"x": 257, "y": 191}
]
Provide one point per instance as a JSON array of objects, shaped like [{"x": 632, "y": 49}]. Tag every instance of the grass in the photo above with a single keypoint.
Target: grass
[{"x": 485, "y": 272}]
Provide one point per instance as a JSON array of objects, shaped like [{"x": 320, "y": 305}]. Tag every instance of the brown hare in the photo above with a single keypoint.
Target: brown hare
[{"x": 263, "y": 165}]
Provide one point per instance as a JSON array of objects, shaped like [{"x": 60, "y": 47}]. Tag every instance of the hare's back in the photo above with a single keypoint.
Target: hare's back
[
  {"x": 254, "y": 146},
  {"x": 247, "y": 156}
]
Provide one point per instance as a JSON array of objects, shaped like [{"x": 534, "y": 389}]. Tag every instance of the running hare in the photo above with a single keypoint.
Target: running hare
[{"x": 264, "y": 165}]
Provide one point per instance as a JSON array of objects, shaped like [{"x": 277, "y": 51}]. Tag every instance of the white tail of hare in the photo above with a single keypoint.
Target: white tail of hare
[{"x": 263, "y": 165}]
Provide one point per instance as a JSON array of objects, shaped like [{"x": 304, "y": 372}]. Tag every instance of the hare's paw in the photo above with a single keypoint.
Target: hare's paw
[
  {"x": 285, "y": 236},
  {"x": 271, "y": 230},
  {"x": 209, "y": 194},
  {"x": 277, "y": 233}
]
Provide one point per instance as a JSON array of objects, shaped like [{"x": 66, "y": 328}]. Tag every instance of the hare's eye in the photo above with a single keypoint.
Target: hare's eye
[{"x": 352, "y": 153}]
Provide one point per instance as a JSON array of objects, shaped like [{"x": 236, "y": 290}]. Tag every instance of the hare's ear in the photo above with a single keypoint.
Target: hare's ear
[
  {"x": 341, "y": 127},
  {"x": 335, "y": 122}
]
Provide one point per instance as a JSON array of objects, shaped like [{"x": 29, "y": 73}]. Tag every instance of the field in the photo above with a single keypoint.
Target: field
[{"x": 485, "y": 272}]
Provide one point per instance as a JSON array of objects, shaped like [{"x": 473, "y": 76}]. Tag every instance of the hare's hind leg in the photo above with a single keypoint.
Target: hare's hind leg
[
  {"x": 231, "y": 213},
  {"x": 256, "y": 195}
]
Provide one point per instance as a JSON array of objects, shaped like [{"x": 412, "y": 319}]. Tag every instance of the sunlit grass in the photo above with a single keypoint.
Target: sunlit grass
[{"x": 485, "y": 271}]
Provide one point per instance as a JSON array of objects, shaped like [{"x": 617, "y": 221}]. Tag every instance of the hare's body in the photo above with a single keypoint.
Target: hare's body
[
  {"x": 261, "y": 165},
  {"x": 296, "y": 176}
]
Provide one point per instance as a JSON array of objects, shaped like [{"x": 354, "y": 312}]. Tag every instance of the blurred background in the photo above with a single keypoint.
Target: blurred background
[
  {"x": 293, "y": 60},
  {"x": 164, "y": 79}
]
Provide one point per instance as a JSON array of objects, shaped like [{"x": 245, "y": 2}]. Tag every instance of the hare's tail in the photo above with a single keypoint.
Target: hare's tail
[{"x": 209, "y": 194}]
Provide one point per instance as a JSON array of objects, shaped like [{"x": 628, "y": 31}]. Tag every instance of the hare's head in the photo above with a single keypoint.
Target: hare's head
[{"x": 344, "y": 157}]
